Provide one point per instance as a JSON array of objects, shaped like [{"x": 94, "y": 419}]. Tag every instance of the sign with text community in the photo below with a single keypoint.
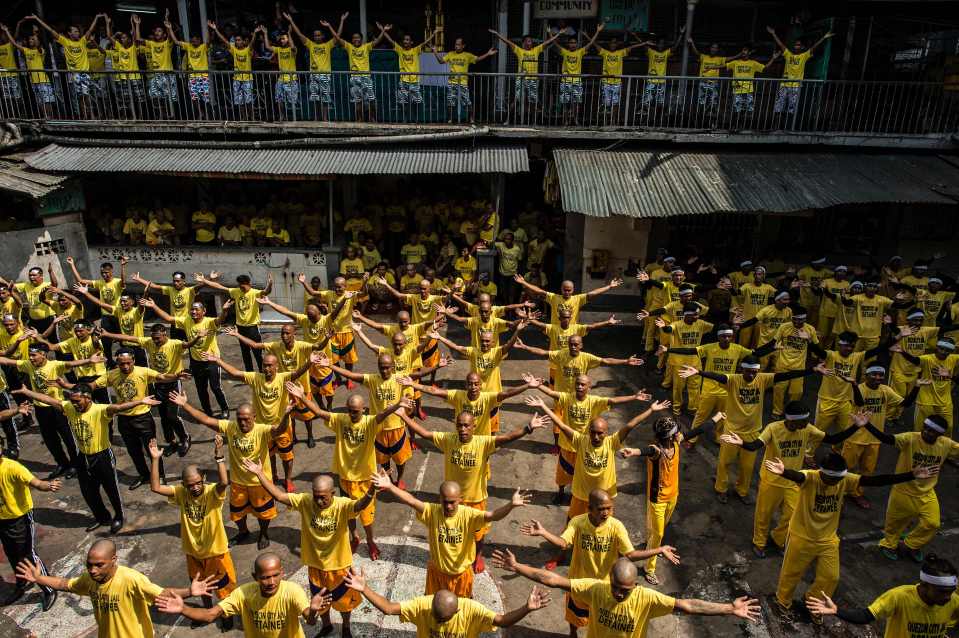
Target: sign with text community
[{"x": 565, "y": 8}]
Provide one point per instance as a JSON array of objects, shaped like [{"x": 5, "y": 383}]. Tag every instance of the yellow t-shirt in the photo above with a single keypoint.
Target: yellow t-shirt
[
  {"x": 75, "y": 54},
  {"x": 769, "y": 319},
  {"x": 939, "y": 392},
  {"x": 719, "y": 360},
  {"x": 202, "y": 534},
  {"x": 324, "y": 533},
  {"x": 578, "y": 414},
  {"x": 35, "y": 295},
  {"x": 91, "y": 429},
  {"x": 180, "y": 300},
  {"x": 359, "y": 57},
  {"x": 711, "y": 65},
  {"x": 915, "y": 345},
  {"x": 744, "y": 403},
  {"x": 486, "y": 364},
  {"x": 743, "y": 72},
  {"x": 452, "y": 541},
  {"x": 129, "y": 387},
  {"x": 131, "y": 321},
  {"x": 43, "y": 379},
  {"x": 470, "y": 620},
  {"x": 270, "y": 398},
  {"x": 509, "y": 258},
  {"x": 158, "y": 55},
  {"x": 383, "y": 394},
  {"x": 568, "y": 368},
  {"x": 612, "y": 65},
  {"x": 795, "y": 68},
  {"x": 610, "y": 618},
  {"x": 829, "y": 308},
  {"x": 788, "y": 446},
  {"x": 869, "y": 312},
  {"x": 342, "y": 321},
  {"x": 913, "y": 452},
  {"x": 165, "y": 359},
  {"x": 595, "y": 548},
  {"x": 466, "y": 463},
  {"x": 286, "y": 61},
  {"x": 121, "y": 605},
  {"x": 320, "y": 56},
  {"x": 572, "y": 64},
  {"x": 34, "y": 60},
  {"x": 907, "y": 616},
  {"x": 15, "y": 497},
  {"x": 476, "y": 325},
  {"x": 686, "y": 335},
  {"x": 754, "y": 298},
  {"x": 253, "y": 445},
  {"x": 291, "y": 360},
  {"x": 557, "y": 303},
  {"x": 8, "y": 60},
  {"x": 466, "y": 268},
  {"x": 109, "y": 290},
  {"x": 197, "y": 58},
  {"x": 410, "y": 283},
  {"x": 275, "y": 617},
  {"x": 242, "y": 61},
  {"x": 247, "y": 309},
  {"x": 832, "y": 389},
  {"x": 204, "y": 235},
  {"x": 595, "y": 467},
  {"x": 354, "y": 457},
  {"x": 125, "y": 59},
  {"x": 559, "y": 336},
  {"x": 877, "y": 404},
  {"x": 791, "y": 354},
  {"x": 819, "y": 507},
  {"x": 205, "y": 344},
  {"x": 422, "y": 309},
  {"x": 83, "y": 350},
  {"x": 657, "y": 63},
  {"x": 814, "y": 277},
  {"x": 413, "y": 253},
  {"x": 459, "y": 64},
  {"x": 527, "y": 60},
  {"x": 481, "y": 408},
  {"x": 409, "y": 60}
]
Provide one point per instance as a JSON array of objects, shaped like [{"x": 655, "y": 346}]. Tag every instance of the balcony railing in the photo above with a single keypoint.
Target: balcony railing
[{"x": 761, "y": 105}]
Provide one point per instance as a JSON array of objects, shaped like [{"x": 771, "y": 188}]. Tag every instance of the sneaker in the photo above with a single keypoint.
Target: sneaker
[
  {"x": 722, "y": 497},
  {"x": 652, "y": 578},
  {"x": 185, "y": 446},
  {"x": 759, "y": 552},
  {"x": 57, "y": 472},
  {"x": 915, "y": 554},
  {"x": 862, "y": 502},
  {"x": 785, "y": 613},
  {"x": 170, "y": 450},
  {"x": 137, "y": 483},
  {"x": 891, "y": 554},
  {"x": 745, "y": 500},
  {"x": 48, "y": 599}
]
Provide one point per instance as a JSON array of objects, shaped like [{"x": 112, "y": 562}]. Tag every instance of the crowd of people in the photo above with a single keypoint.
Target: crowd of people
[
  {"x": 882, "y": 341},
  {"x": 103, "y": 71}
]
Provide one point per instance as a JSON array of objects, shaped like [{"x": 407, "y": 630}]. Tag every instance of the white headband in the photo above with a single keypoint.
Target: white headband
[
  {"x": 843, "y": 342},
  {"x": 687, "y": 313},
  {"x": 921, "y": 267},
  {"x": 842, "y": 268},
  {"x": 760, "y": 269},
  {"x": 935, "y": 280},
  {"x": 821, "y": 260},
  {"x": 932, "y": 425},
  {"x": 724, "y": 332},
  {"x": 915, "y": 313},
  {"x": 744, "y": 264},
  {"x": 834, "y": 473},
  {"x": 750, "y": 366},
  {"x": 780, "y": 295},
  {"x": 801, "y": 315},
  {"x": 939, "y": 581},
  {"x": 895, "y": 257},
  {"x": 797, "y": 417},
  {"x": 946, "y": 345},
  {"x": 855, "y": 283},
  {"x": 872, "y": 369}
]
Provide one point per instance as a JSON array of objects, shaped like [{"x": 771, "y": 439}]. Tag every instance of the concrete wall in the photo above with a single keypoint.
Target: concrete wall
[
  {"x": 44, "y": 246},
  {"x": 158, "y": 264},
  {"x": 624, "y": 238}
]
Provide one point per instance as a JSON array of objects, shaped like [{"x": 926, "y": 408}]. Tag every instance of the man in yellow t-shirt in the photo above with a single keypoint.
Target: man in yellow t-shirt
[
  {"x": 926, "y": 609},
  {"x": 161, "y": 84},
  {"x": 565, "y": 298},
  {"x": 269, "y": 607},
  {"x": 324, "y": 538},
  {"x": 451, "y": 529},
  {"x": 408, "y": 90},
  {"x": 17, "y": 529},
  {"x": 287, "y": 88},
  {"x": 573, "y": 361},
  {"x": 124, "y": 594},
  {"x": 611, "y": 85},
  {"x": 597, "y": 540},
  {"x": 526, "y": 86},
  {"x": 657, "y": 58},
  {"x": 320, "y": 88},
  {"x": 813, "y": 527},
  {"x": 362, "y": 94},
  {"x": 33, "y": 292},
  {"x": 202, "y": 534},
  {"x": 787, "y": 99},
  {"x": 74, "y": 44},
  {"x": 203, "y": 222},
  {"x": 245, "y": 298},
  {"x": 197, "y": 59},
  {"x": 241, "y": 50},
  {"x": 710, "y": 68},
  {"x": 571, "y": 84},
  {"x": 792, "y": 342},
  {"x": 446, "y": 614},
  {"x": 457, "y": 83},
  {"x": 619, "y": 607},
  {"x": 744, "y": 70}
]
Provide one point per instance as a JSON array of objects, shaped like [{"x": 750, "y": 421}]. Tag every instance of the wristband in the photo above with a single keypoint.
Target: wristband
[
  {"x": 220, "y": 459},
  {"x": 528, "y": 429}
]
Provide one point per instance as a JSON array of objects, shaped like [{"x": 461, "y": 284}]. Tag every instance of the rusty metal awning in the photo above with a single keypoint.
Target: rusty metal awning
[
  {"x": 648, "y": 184},
  {"x": 16, "y": 176},
  {"x": 280, "y": 162}
]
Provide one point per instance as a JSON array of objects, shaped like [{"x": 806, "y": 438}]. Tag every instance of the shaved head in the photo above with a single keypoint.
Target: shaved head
[
  {"x": 356, "y": 402},
  {"x": 103, "y": 548},
  {"x": 450, "y": 489},
  {"x": 624, "y": 573},
  {"x": 598, "y": 498},
  {"x": 323, "y": 482},
  {"x": 445, "y": 605},
  {"x": 267, "y": 560},
  {"x": 190, "y": 472}
]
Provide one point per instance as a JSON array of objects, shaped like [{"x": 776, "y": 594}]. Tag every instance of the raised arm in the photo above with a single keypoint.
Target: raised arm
[
  {"x": 426, "y": 389},
  {"x": 520, "y": 499},
  {"x": 533, "y": 289},
  {"x": 384, "y": 32},
  {"x": 38, "y": 396},
  {"x": 538, "y": 402},
  {"x": 155, "y": 486},
  {"x": 358, "y": 331},
  {"x": 500, "y": 37},
  {"x": 72, "y": 263},
  {"x": 232, "y": 331},
  {"x": 358, "y": 316},
  {"x": 529, "y": 383},
  {"x": 147, "y": 302},
  {"x": 383, "y": 483},
  {"x": 592, "y": 40},
  {"x": 614, "y": 283},
  {"x": 257, "y": 470},
  {"x": 489, "y": 53},
  {"x": 296, "y": 30},
  {"x": 356, "y": 580},
  {"x": 11, "y": 38},
  {"x": 449, "y": 344},
  {"x": 199, "y": 416},
  {"x": 828, "y": 35},
  {"x": 779, "y": 43},
  {"x": 505, "y": 560},
  {"x": 692, "y": 45},
  {"x": 229, "y": 369},
  {"x": 417, "y": 429},
  {"x": 655, "y": 406},
  {"x": 93, "y": 25},
  {"x": 46, "y": 27},
  {"x": 535, "y": 423},
  {"x": 83, "y": 290}
]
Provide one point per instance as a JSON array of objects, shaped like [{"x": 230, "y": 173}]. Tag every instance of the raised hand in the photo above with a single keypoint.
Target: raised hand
[
  {"x": 169, "y": 603},
  {"x": 521, "y": 498},
  {"x": 504, "y": 559},
  {"x": 355, "y": 579},
  {"x": 776, "y": 466},
  {"x": 295, "y": 390},
  {"x": 642, "y": 395},
  {"x": 659, "y": 406},
  {"x": 531, "y": 528},
  {"x": 747, "y": 608},
  {"x": 252, "y": 466},
  {"x": 538, "y": 598},
  {"x": 641, "y": 315},
  {"x": 539, "y": 421},
  {"x": 642, "y": 275},
  {"x": 204, "y": 586},
  {"x": 178, "y": 398},
  {"x": 321, "y": 600},
  {"x": 155, "y": 451},
  {"x": 535, "y": 401},
  {"x": 616, "y": 282},
  {"x": 28, "y": 571},
  {"x": 382, "y": 480}
]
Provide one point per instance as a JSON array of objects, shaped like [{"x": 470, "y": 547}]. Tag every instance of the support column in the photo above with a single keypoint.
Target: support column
[
  {"x": 183, "y": 14},
  {"x": 503, "y": 27},
  {"x": 201, "y": 4},
  {"x": 363, "y": 19},
  {"x": 690, "y": 11}
]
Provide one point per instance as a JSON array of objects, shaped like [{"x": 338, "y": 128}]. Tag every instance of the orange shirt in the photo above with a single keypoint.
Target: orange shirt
[{"x": 662, "y": 477}]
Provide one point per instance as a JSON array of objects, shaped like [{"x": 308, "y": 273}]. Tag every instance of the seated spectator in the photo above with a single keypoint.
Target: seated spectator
[
  {"x": 371, "y": 254},
  {"x": 410, "y": 279},
  {"x": 134, "y": 228},
  {"x": 357, "y": 224},
  {"x": 246, "y": 231},
  {"x": 351, "y": 267},
  {"x": 485, "y": 284},
  {"x": 117, "y": 225},
  {"x": 536, "y": 249},
  {"x": 465, "y": 265},
  {"x": 276, "y": 234},
  {"x": 160, "y": 230},
  {"x": 259, "y": 224},
  {"x": 229, "y": 233},
  {"x": 380, "y": 297},
  {"x": 413, "y": 252},
  {"x": 204, "y": 225}
]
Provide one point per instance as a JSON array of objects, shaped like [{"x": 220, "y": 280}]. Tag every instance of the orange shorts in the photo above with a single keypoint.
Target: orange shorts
[
  {"x": 356, "y": 490},
  {"x": 220, "y": 566},
  {"x": 251, "y": 499},
  {"x": 431, "y": 354},
  {"x": 481, "y": 506},
  {"x": 565, "y": 463},
  {"x": 393, "y": 444},
  {"x": 576, "y": 507},
  {"x": 460, "y": 584},
  {"x": 344, "y": 598},
  {"x": 343, "y": 345},
  {"x": 282, "y": 445},
  {"x": 321, "y": 381},
  {"x": 301, "y": 412},
  {"x": 577, "y": 614},
  {"x": 494, "y": 420}
]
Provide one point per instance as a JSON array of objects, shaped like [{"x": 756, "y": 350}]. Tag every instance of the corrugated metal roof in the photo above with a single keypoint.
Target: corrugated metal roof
[
  {"x": 665, "y": 184},
  {"x": 287, "y": 162},
  {"x": 16, "y": 176}
]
